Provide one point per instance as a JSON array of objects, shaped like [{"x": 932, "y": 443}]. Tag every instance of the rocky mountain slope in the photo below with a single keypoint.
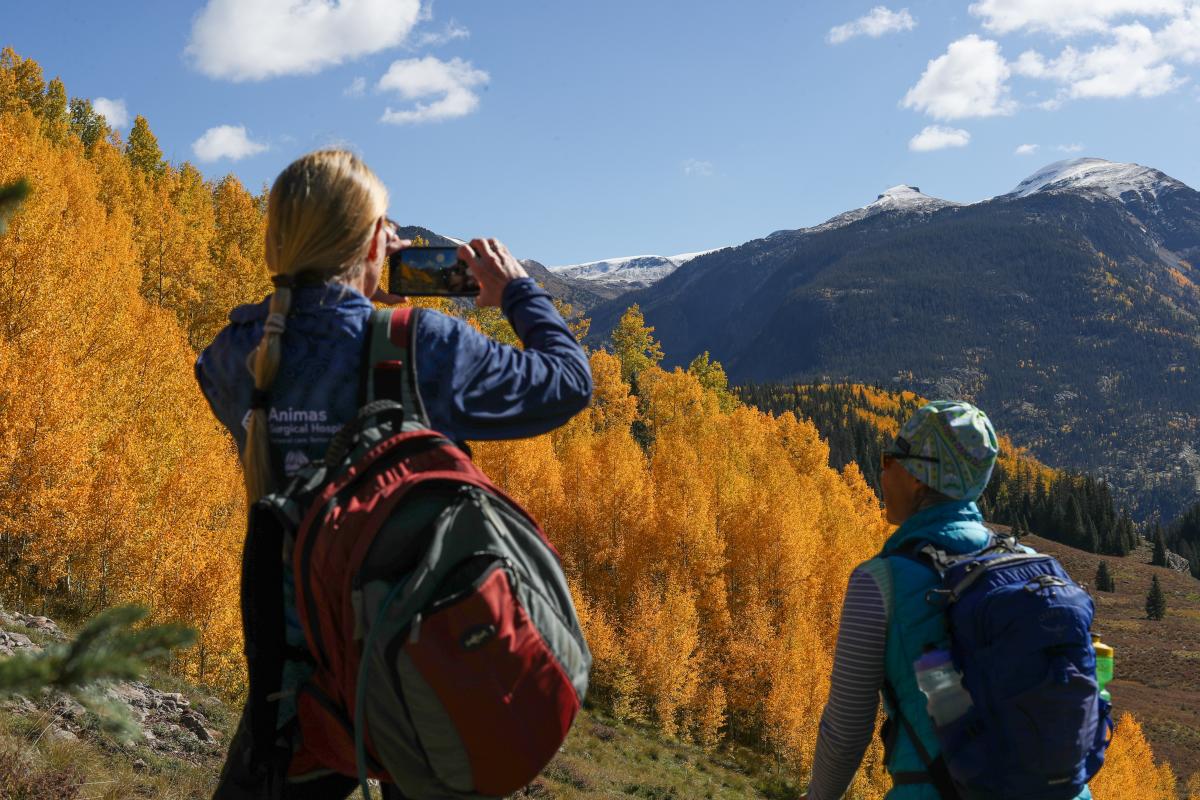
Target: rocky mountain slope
[
  {"x": 615, "y": 276},
  {"x": 1068, "y": 308}
]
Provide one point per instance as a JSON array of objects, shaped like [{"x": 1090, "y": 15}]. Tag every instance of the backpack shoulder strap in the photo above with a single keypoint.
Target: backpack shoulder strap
[
  {"x": 390, "y": 369},
  {"x": 935, "y": 771}
]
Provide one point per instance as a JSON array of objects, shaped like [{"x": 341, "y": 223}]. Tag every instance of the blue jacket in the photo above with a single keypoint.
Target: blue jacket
[{"x": 473, "y": 387}]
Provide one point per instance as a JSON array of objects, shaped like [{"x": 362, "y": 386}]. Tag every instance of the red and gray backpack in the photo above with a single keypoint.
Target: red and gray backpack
[{"x": 443, "y": 653}]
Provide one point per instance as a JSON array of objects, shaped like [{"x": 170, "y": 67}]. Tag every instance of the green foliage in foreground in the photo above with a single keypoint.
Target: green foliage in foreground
[{"x": 109, "y": 648}]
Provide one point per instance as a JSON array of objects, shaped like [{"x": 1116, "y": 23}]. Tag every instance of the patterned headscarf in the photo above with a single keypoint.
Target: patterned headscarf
[{"x": 957, "y": 444}]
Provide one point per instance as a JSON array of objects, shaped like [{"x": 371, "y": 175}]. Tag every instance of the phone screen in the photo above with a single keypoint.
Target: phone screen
[{"x": 430, "y": 271}]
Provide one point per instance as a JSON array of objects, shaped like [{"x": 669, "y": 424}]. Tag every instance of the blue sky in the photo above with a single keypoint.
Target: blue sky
[{"x": 583, "y": 130}]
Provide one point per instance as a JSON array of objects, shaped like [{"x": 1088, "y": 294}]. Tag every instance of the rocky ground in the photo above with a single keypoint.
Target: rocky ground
[{"x": 52, "y": 747}]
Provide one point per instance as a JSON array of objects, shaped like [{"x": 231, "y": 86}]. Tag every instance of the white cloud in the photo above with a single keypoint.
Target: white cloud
[
  {"x": 242, "y": 40},
  {"x": 226, "y": 141},
  {"x": 1134, "y": 62},
  {"x": 1070, "y": 148},
  {"x": 936, "y": 137},
  {"x": 1067, "y": 17},
  {"x": 876, "y": 23},
  {"x": 451, "y": 82},
  {"x": 969, "y": 80},
  {"x": 114, "y": 111},
  {"x": 357, "y": 87},
  {"x": 698, "y": 169},
  {"x": 1026, "y": 149},
  {"x": 451, "y": 32},
  {"x": 1181, "y": 37}
]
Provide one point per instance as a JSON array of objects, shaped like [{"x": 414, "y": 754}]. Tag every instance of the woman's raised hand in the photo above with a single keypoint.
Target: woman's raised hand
[{"x": 493, "y": 266}]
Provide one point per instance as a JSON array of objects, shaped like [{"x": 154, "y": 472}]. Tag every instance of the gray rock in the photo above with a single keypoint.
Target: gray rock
[
  {"x": 40, "y": 624},
  {"x": 12, "y": 642},
  {"x": 15, "y": 639},
  {"x": 68, "y": 708},
  {"x": 195, "y": 723},
  {"x": 20, "y": 704},
  {"x": 176, "y": 698},
  {"x": 62, "y": 735}
]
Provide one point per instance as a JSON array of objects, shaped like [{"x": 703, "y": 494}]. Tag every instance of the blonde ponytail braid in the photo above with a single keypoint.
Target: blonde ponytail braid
[
  {"x": 266, "y": 357},
  {"x": 321, "y": 217}
]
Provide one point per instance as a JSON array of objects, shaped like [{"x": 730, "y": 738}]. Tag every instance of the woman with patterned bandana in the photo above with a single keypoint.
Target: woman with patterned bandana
[{"x": 932, "y": 475}]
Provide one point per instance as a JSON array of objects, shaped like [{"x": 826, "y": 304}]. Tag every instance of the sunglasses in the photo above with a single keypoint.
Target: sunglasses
[{"x": 892, "y": 455}]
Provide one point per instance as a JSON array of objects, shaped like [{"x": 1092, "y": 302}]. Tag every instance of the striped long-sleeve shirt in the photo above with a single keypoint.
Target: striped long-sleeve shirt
[{"x": 848, "y": 722}]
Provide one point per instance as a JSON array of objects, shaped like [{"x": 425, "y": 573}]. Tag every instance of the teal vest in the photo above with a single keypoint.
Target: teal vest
[{"x": 956, "y": 527}]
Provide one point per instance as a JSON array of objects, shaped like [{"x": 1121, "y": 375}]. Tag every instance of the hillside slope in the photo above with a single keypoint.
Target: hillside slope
[{"x": 51, "y": 749}]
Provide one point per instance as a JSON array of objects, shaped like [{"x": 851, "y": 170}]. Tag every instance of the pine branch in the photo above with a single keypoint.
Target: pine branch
[{"x": 109, "y": 648}]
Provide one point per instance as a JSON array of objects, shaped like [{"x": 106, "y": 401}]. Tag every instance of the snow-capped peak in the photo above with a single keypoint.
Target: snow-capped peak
[
  {"x": 1095, "y": 175},
  {"x": 627, "y": 272},
  {"x": 902, "y": 198}
]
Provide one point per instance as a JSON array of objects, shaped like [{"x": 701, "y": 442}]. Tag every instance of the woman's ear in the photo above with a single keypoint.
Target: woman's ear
[{"x": 375, "y": 253}]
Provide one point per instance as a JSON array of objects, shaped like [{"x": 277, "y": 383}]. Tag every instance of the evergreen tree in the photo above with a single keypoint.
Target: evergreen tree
[
  {"x": 142, "y": 149},
  {"x": 1104, "y": 579},
  {"x": 1074, "y": 531},
  {"x": 1159, "y": 558},
  {"x": 1156, "y": 601}
]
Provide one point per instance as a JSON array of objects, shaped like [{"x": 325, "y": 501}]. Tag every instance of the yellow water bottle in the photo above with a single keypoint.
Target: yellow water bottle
[{"x": 1104, "y": 665}]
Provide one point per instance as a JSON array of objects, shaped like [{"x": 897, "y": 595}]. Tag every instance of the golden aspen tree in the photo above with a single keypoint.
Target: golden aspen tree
[
  {"x": 579, "y": 324},
  {"x": 1129, "y": 770},
  {"x": 1192, "y": 789},
  {"x": 634, "y": 344},
  {"x": 612, "y": 681},
  {"x": 713, "y": 378},
  {"x": 142, "y": 149},
  {"x": 236, "y": 248},
  {"x": 662, "y": 640}
]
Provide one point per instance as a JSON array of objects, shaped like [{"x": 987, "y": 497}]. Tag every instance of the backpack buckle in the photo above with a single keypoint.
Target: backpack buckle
[
  {"x": 1045, "y": 582},
  {"x": 937, "y": 597}
]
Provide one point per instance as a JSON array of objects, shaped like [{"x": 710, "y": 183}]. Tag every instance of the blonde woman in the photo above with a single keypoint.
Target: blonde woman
[{"x": 283, "y": 376}]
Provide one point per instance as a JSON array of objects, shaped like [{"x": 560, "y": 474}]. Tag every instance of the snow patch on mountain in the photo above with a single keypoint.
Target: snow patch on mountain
[
  {"x": 1096, "y": 176},
  {"x": 902, "y": 198},
  {"x": 627, "y": 272}
]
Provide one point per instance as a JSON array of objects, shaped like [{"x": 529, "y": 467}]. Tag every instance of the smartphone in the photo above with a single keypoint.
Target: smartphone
[{"x": 430, "y": 271}]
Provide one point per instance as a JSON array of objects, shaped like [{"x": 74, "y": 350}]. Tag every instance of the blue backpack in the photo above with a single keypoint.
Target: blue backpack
[{"x": 1020, "y": 634}]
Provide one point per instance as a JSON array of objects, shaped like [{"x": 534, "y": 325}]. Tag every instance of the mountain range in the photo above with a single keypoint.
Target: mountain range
[{"x": 1068, "y": 308}]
